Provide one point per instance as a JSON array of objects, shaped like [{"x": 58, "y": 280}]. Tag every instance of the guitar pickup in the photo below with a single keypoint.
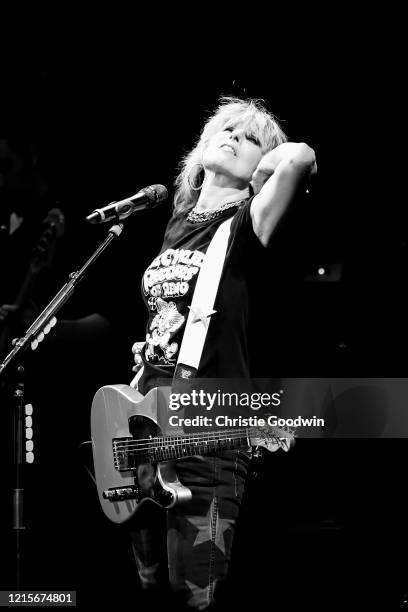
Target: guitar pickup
[{"x": 121, "y": 493}]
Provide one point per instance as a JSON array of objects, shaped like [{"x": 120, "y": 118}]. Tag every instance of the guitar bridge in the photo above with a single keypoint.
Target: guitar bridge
[{"x": 123, "y": 461}]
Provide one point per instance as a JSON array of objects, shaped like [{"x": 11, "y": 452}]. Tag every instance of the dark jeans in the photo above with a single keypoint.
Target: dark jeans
[{"x": 189, "y": 547}]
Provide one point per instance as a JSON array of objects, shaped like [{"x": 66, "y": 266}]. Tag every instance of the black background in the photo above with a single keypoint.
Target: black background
[{"x": 112, "y": 111}]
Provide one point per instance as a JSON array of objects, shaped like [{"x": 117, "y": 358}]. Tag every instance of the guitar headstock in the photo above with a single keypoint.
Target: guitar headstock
[{"x": 273, "y": 438}]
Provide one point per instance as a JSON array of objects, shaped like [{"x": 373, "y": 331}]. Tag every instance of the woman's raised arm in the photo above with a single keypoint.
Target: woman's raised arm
[{"x": 275, "y": 182}]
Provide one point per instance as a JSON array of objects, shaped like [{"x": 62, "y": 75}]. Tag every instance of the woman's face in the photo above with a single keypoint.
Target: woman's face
[{"x": 234, "y": 152}]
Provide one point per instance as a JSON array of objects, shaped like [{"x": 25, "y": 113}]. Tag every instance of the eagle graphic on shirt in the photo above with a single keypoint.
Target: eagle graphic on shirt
[{"x": 163, "y": 327}]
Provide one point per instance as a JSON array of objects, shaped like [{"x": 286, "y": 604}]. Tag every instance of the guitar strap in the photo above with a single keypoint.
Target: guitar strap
[{"x": 202, "y": 307}]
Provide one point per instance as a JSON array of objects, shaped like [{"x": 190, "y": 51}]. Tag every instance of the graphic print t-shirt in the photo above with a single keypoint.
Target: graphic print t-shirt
[{"x": 168, "y": 286}]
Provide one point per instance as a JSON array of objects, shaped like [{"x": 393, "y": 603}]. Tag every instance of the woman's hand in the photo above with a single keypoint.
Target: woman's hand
[
  {"x": 293, "y": 152},
  {"x": 136, "y": 350}
]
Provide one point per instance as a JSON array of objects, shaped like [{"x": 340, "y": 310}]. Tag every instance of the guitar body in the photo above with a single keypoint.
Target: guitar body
[{"x": 121, "y": 412}]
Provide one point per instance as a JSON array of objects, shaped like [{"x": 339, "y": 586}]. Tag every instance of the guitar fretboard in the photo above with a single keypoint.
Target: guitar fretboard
[
  {"x": 175, "y": 447},
  {"x": 129, "y": 452}
]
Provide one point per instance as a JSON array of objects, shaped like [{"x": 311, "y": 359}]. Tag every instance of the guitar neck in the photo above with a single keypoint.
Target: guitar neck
[
  {"x": 128, "y": 453},
  {"x": 200, "y": 443}
]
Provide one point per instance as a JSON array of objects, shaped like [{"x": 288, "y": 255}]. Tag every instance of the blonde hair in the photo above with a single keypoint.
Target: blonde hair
[{"x": 252, "y": 114}]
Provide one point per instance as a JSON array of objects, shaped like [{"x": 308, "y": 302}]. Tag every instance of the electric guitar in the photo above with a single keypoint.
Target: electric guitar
[{"x": 133, "y": 459}]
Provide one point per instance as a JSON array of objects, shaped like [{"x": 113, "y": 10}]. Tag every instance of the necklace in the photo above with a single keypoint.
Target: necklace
[{"x": 195, "y": 216}]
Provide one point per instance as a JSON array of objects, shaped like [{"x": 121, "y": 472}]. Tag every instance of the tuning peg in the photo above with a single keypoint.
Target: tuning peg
[
  {"x": 30, "y": 457},
  {"x": 28, "y": 409},
  {"x": 34, "y": 344}
]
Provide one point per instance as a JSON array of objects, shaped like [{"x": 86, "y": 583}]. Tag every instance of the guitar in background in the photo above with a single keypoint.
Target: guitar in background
[{"x": 23, "y": 309}]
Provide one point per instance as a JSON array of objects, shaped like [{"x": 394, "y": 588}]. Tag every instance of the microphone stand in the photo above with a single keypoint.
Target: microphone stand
[
  {"x": 35, "y": 334},
  {"x": 18, "y": 439}
]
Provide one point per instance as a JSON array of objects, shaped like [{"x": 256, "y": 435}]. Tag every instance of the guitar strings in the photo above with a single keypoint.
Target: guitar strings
[
  {"x": 196, "y": 443},
  {"x": 196, "y": 437},
  {"x": 136, "y": 448},
  {"x": 175, "y": 443},
  {"x": 171, "y": 440},
  {"x": 272, "y": 431}
]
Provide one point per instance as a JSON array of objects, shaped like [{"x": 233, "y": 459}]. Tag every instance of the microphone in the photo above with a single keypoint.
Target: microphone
[{"x": 149, "y": 197}]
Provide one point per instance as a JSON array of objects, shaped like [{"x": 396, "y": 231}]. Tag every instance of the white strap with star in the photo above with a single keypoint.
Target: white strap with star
[{"x": 202, "y": 305}]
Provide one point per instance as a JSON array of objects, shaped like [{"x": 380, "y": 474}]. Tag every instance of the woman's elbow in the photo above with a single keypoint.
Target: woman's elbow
[{"x": 304, "y": 157}]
